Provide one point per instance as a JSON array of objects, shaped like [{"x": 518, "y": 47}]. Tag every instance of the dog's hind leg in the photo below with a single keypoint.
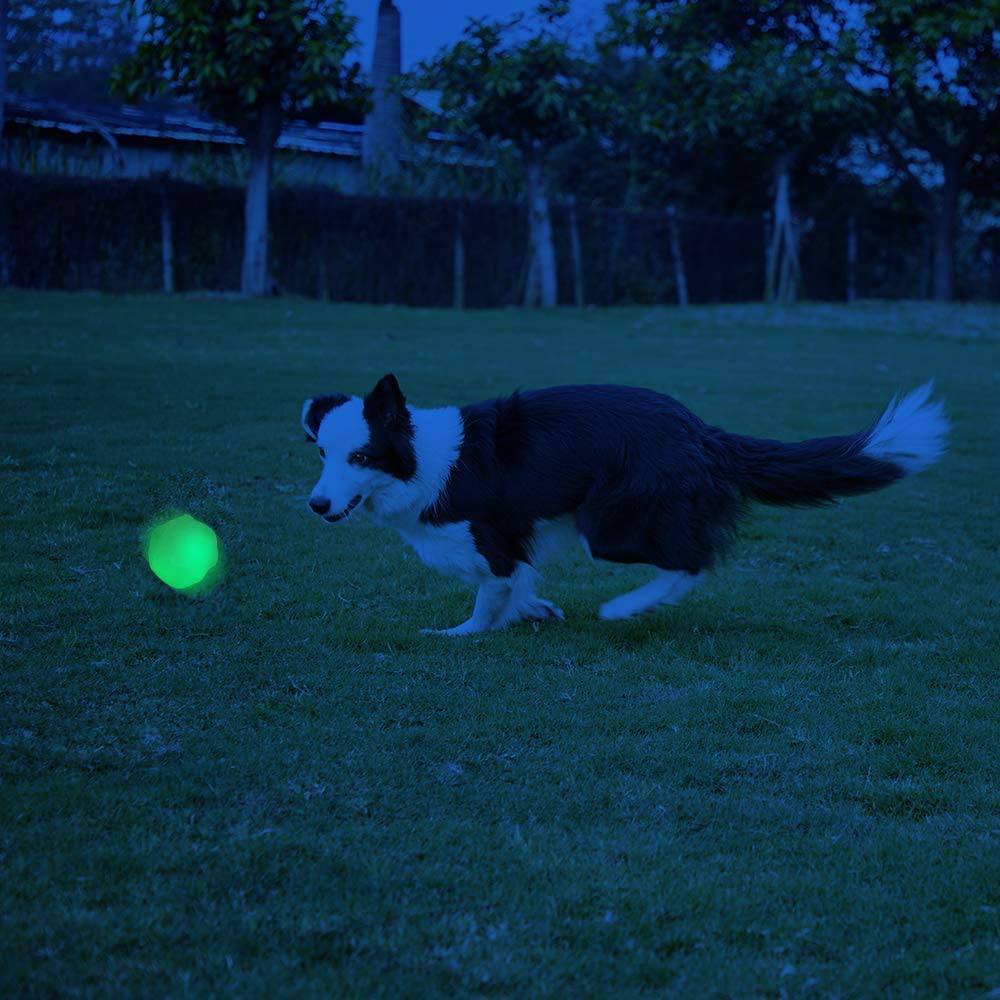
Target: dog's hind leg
[
  {"x": 491, "y": 601},
  {"x": 667, "y": 587}
]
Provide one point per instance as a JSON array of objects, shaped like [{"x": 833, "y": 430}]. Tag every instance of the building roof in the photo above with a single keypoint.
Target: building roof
[
  {"x": 175, "y": 125},
  {"x": 186, "y": 123}
]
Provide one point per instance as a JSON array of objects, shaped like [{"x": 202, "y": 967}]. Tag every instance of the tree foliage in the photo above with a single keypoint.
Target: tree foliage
[
  {"x": 928, "y": 75},
  {"x": 65, "y": 48},
  {"x": 517, "y": 80},
  {"x": 242, "y": 59},
  {"x": 725, "y": 71},
  {"x": 928, "y": 72},
  {"x": 251, "y": 63},
  {"x": 720, "y": 76},
  {"x": 521, "y": 83}
]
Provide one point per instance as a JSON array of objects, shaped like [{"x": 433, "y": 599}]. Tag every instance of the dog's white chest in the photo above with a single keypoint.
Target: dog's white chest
[{"x": 449, "y": 549}]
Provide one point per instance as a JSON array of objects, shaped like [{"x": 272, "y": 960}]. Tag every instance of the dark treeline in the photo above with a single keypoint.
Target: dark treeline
[
  {"x": 865, "y": 139},
  {"x": 812, "y": 108}
]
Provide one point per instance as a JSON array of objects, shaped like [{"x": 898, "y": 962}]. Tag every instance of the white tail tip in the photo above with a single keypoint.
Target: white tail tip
[{"x": 912, "y": 433}]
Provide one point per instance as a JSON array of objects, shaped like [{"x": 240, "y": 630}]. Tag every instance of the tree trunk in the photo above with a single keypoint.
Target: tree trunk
[
  {"x": 680, "y": 272},
  {"x": 254, "y": 280},
  {"x": 574, "y": 245},
  {"x": 458, "y": 269},
  {"x": 773, "y": 251},
  {"x": 783, "y": 257},
  {"x": 541, "y": 288},
  {"x": 945, "y": 231},
  {"x": 260, "y": 142}
]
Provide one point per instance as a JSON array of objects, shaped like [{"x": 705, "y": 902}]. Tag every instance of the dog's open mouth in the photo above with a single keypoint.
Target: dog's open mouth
[{"x": 346, "y": 512}]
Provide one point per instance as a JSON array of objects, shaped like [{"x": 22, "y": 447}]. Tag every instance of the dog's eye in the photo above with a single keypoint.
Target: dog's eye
[
  {"x": 359, "y": 458},
  {"x": 322, "y": 453}
]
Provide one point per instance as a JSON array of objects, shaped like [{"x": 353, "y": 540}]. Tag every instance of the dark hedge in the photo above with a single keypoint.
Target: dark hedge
[{"x": 75, "y": 233}]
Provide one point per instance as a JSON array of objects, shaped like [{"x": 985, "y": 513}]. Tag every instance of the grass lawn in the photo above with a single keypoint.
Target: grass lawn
[{"x": 786, "y": 785}]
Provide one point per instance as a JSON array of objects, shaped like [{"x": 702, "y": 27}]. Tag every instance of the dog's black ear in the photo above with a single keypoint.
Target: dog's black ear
[
  {"x": 316, "y": 408},
  {"x": 306, "y": 424},
  {"x": 386, "y": 404}
]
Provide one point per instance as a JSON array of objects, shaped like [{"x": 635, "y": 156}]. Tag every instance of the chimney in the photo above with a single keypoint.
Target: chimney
[{"x": 383, "y": 127}]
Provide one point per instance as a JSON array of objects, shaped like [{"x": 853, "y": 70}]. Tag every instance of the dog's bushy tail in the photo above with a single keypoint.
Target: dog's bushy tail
[{"x": 910, "y": 435}]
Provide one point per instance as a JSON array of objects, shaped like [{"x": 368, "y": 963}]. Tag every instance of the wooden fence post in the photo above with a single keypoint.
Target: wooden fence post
[
  {"x": 577, "y": 255},
  {"x": 926, "y": 263},
  {"x": 677, "y": 253},
  {"x": 852, "y": 258},
  {"x": 166, "y": 238},
  {"x": 766, "y": 217},
  {"x": 616, "y": 238},
  {"x": 458, "y": 259}
]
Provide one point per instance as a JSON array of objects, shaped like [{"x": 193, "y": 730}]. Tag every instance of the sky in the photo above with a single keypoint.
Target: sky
[{"x": 429, "y": 24}]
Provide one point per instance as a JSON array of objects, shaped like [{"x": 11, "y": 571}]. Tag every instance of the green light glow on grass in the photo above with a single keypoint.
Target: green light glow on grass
[{"x": 182, "y": 552}]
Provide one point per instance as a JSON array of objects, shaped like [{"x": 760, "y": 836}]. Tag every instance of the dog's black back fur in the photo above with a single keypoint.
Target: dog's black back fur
[{"x": 646, "y": 480}]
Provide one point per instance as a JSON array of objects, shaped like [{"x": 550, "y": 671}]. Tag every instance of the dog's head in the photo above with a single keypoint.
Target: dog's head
[{"x": 366, "y": 446}]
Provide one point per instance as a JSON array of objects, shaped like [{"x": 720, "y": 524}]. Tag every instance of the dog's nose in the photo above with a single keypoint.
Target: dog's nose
[{"x": 319, "y": 504}]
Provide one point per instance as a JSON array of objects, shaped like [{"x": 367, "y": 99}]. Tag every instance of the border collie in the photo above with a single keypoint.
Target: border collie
[{"x": 484, "y": 492}]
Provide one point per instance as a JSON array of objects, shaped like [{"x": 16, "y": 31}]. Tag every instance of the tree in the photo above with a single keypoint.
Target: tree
[
  {"x": 252, "y": 64},
  {"x": 519, "y": 83},
  {"x": 725, "y": 74},
  {"x": 928, "y": 73},
  {"x": 66, "y": 48},
  {"x": 781, "y": 103},
  {"x": 4, "y": 265},
  {"x": 4, "y": 9},
  {"x": 646, "y": 122}
]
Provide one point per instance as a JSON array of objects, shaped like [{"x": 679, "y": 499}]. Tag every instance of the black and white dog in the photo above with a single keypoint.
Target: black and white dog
[{"x": 486, "y": 491}]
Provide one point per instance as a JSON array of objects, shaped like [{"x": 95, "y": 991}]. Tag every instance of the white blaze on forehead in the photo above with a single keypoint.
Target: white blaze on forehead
[{"x": 344, "y": 429}]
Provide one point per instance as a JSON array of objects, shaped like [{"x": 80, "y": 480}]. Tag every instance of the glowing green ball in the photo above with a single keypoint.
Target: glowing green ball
[{"x": 182, "y": 551}]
